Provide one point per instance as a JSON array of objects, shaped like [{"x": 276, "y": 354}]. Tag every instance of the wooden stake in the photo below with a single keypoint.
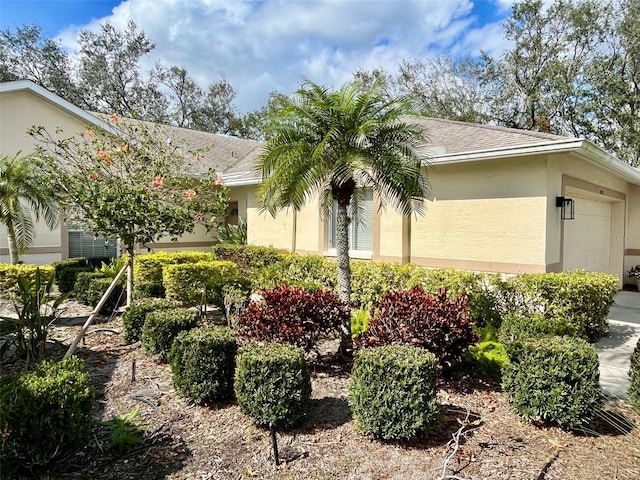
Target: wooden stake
[
  {"x": 95, "y": 312},
  {"x": 274, "y": 442}
]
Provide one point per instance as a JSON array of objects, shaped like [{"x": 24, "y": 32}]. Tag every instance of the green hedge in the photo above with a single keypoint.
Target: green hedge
[
  {"x": 186, "y": 282},
  {"x": 82, "y": 284},
  {"x": 370, "y": 281},
  {"x": 634, "y": 378},
  {"x": 247, "y": 257},
  {"x": 582, "y": 298},
  {"x": 311, "y": 272},
  {"x": 272, "y": 384},
  {"x": 45, "y": 414},
  {"x": 203, "y": 363},
  {"x": 148, "y": 267},
  {"x": 98, "y": 287},
  {"x": 162, "y": 326},
  {"x": 133, "y": 319},
  {"x": 9, "y": 276},
  {"x": 531, "y": 327},
  {"x": 66, "y": 271},
  {"x": 392, "y": 393},
  {"x": 554, "y": 380}
]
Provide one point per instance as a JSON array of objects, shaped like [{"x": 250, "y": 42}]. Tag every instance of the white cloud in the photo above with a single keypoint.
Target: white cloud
[{"x": 268, "y": 45}]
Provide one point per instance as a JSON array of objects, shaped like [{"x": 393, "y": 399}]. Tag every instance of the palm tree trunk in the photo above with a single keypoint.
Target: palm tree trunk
[
  {"x": 344, "y": 272},
  {"x": 13, "y": 243}
]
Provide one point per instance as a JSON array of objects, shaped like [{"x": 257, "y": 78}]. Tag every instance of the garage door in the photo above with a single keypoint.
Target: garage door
[{"x": 587, "y": 242}]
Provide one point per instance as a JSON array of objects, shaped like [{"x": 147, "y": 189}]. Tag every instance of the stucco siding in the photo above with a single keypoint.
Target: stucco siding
[
  {"x": 309, "y": 228},
  {"x": 488, "y": 215},
  {"x": 263, "y": 229},
  {"x": 392, "y": 233}
]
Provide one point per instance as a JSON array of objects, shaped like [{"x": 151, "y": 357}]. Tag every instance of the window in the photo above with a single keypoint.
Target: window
[
  {"x": 360, "y": 234},
  {"x": 83, "y": 244}
]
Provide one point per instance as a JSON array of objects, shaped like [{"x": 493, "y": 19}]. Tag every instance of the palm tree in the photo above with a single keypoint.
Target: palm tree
[
  {"x": 334, "y": 144},
  {"x": 22, "y": 193}
]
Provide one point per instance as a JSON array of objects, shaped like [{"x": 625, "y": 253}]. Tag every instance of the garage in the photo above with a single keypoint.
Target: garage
[{"x": 587, "y": 238}]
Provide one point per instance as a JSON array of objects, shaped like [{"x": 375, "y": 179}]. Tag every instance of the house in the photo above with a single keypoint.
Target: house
[{"x": 497, "y": 198}]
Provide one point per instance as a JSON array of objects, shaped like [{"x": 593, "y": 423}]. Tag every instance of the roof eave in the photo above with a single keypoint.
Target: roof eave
[
  {"x": 587, "y": 149},
  {"x": 28, "y": 85}
]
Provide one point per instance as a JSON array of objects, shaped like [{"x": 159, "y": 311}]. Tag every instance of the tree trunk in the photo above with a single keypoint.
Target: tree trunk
[
  {"x": 13, "y": 243},
  {"x": 344, "y": 272},
  {"x": 129, "y": 275}
]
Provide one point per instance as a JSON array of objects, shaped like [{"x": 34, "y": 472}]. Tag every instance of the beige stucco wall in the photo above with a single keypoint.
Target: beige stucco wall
[
  {"x": 484, "y": 216},
  {"x": 393, "y": 234},
  {"x": 263, "y": 229},
  {"x": 19, "y": 111},
  {"x": 309, "y": 228}
]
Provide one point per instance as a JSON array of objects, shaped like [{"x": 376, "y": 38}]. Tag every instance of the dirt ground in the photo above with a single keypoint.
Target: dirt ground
[{"x": 184, "y": 441}]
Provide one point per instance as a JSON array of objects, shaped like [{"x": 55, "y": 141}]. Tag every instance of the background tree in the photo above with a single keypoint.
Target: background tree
[
  {"x": 22, "y": 194},
  {"x": 109, "y": 71},
  {"x": 334, "y": 144},
  {"x": 129, "y": 182},
  {"x": 26, "y": 54}
]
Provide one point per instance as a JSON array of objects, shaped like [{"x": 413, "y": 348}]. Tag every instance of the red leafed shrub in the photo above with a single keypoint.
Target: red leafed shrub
[
  {"x": 292, "y": 315},
  {"x": 414, "y": 318}
]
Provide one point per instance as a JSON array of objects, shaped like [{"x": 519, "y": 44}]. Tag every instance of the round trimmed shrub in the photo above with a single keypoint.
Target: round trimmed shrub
[
  {"x": 272, "y": 384},
  {"x": 98, "y": 287},
  {"x": 133, "y": 319},
  {"x": 203, "y": 362},
  {"x": 45, "y": 413},
  {"x": 161, "y": 327},
  {"x": 81, "y": 286},
  {"x": 554, "y": 380},
  {"x": 634, "y": 378},
  {"x": 530, "y": 327},
  {"x": 392, "y": 393}
]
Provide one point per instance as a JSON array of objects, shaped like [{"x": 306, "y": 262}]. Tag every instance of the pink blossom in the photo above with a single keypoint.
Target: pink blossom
[
  {"x": 219, "y": 180},
  {"x": 103, "y": 155},
  {"x": 115, "y": 118},
  {"x": 93, "y": 176},
  {"x": 196, "y": 157},
  {"x": 190, "y": 194},
  {"x": 157, "y": 181},
  {"x": 90, "y": 134}
]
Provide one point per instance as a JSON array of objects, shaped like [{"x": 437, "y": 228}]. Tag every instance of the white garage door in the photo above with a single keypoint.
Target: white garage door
[{"x": 587, "y": 239}]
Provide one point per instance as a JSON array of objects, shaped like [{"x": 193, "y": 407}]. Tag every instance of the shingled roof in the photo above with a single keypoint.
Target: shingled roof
[{"x": 448, "y": 136}]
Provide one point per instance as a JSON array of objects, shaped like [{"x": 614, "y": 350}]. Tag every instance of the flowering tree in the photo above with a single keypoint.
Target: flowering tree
[{"x": 129, "y": 180}]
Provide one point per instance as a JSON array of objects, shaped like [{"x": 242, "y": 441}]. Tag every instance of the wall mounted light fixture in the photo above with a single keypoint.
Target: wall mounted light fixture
[{"x": 567, "y": 208}]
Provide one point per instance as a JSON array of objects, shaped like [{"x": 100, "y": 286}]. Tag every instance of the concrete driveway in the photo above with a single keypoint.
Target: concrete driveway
[{"x": 615, "y": 349}]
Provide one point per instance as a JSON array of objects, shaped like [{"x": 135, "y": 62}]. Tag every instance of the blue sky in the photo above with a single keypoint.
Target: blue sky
[{"x": 265, "y": 45}]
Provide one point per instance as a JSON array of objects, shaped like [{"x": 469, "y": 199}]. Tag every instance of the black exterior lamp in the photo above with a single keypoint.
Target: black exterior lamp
[{"x": 567, "y": 208}]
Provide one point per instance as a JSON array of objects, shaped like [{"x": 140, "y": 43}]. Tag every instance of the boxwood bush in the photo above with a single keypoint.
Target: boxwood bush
[
  {"x": 133, "y": 319},
  {"x": 582, "y": 298},
  {"x": 161, "y": 327},
  {"x": 523, "y": 327},
  {"x": 9, "y": 276},
  {"x": 45, "y": 414},
  {"x": 66, "y": 271},
  {"x": 554, "y": 380},
  {"x": 185, "y": 283},
  {"x": 292, "y": 315},
  {"x": 488, "y": 358},
  {"x": 98, "y": 287},
  {"x": 81, "y": 286},
  {"x": 415, "y": 318},
  {"x": 248, "y": 257},
  {"x": 392, "y": 393},
  {"x": 148, "y": 267},
  {"x": 311, "y": 272},
  {"x": 272, "y": 384},
  {"x": 634, "y": 378},
  {"x": 203, "y": 362}
]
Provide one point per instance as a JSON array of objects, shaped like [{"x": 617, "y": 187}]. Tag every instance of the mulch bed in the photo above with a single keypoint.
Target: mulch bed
[{"x": 184, "y": 441}]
